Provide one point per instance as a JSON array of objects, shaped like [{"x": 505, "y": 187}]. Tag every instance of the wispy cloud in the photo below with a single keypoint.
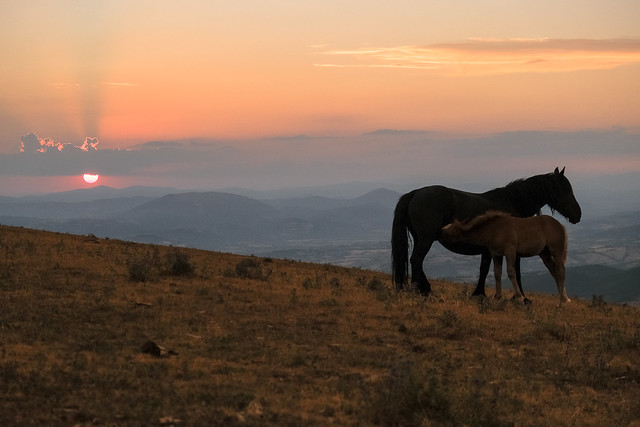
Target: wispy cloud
[
  {"x": 119, "y": 84},
  {"x": 64, "y": 85},
  {"x": 492, "y": 56}
]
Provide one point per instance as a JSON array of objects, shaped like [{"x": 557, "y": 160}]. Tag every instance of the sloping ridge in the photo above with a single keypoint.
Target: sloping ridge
[{"x": 223, "y": 216}]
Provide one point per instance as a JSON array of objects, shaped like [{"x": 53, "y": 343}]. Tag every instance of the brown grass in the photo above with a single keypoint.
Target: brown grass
[{"x": 254, "y": 341}]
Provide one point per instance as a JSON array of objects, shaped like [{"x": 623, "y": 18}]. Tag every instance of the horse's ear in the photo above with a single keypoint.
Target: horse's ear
[
  {"x": 559, "y": 172},
  {"x": 562, "y": 171}
]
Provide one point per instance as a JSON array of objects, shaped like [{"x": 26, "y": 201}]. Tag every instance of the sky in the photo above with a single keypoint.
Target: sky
[{"x": 265, "y": 94}]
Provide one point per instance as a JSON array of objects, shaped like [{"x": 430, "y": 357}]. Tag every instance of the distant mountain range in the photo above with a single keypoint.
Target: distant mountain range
[
  {"x": 207, "y": 220},
  {"x": 604, "y": 252}
]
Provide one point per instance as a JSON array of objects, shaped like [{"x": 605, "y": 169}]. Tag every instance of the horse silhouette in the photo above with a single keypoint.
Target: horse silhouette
[{"x": 422, "y": 213}]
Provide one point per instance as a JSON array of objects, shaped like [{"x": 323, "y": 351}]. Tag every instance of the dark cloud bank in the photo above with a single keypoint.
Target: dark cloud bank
[{"x": 401, "y": 157}]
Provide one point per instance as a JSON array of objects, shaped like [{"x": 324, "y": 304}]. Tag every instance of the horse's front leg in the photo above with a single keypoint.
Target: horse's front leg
[
  {"x": 497, "y": 274},
  {"x": 485, "y": 262}
]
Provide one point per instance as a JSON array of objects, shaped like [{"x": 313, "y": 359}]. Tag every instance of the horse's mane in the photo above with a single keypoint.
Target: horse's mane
[{"x": 529, "y": 195}]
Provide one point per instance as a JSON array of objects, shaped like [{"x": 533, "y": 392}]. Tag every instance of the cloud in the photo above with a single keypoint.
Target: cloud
[
  {"x": 493, "y": 56},
  {"x": 120, "y": 84},
  {"x": 388, "y": 155},
  {"x": 90, "y": 144},
  {"x": 31, "y": 143}
]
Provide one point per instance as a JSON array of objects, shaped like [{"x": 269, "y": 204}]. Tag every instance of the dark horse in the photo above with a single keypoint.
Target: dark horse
[{"x": 425, "y": 211}]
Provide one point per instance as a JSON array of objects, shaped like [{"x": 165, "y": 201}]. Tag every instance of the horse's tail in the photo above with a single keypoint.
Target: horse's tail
[{"x": 400, "y": 241}]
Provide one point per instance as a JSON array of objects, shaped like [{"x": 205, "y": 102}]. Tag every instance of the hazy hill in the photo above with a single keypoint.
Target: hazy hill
[
  {"x": 107, "y": 332},
  {"x": 310, "y": 206},
  {"x": 96, "y": 202},
  {"x": 201, "y": 210},
  {"x": 219, "y": 218},
  {"x": 100, "y": 208},
  {"x": 101, "y": 192}
]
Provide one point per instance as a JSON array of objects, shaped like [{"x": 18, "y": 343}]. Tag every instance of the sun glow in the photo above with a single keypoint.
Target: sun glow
[{"x": 90, "y": 178}]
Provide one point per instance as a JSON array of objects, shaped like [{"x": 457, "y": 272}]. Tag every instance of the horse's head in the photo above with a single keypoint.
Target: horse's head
[{"x": 563, "y": 200}]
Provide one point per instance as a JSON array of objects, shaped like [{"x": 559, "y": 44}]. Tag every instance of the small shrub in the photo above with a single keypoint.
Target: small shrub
[
  {"x": 140, "y": 271},
  {"x": 249, "y": 268},
  {"x": 315, "y": 283},
  {"x": 598, "y": 303},
  {"x": 554, "y": 328},
  {"x": 489, "y": 305},
  {"x": 376, "y": 284},
  {"x": 146, "y": 268},
  {"x": 178, "y": 264},
  {"x": 450, "y": 325},
  {"x": 406, "y": 397},
  {"x": 361, "y": 281},
  {"x": 448, "y": 319}
]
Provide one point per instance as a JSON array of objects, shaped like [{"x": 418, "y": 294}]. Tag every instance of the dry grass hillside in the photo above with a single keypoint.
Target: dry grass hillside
[{"x": 105, "y": 332}]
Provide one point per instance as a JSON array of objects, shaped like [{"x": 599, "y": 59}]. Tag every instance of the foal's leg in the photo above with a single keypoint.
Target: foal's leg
[
  {"x": 557, "y": 270},
  {"x": 519, "y": 277},
  {"x": 420, "y": 248},
  {"x": 511, "y": 272},
  {"x": 497, "y": 273}
]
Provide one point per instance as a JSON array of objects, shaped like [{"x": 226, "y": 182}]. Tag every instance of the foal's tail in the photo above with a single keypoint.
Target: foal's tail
[{"x": 400, "y": 241}]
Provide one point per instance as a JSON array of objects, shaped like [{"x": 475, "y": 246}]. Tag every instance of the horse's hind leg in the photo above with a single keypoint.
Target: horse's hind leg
[
  {"x": 497, "y": 274},
  {"x": 485, "y": 262},
  {"x": 421, "y": 247},
  {"x": 557, "y": 270}
]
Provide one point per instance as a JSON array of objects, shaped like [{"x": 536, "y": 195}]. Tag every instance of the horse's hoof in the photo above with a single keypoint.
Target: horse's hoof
[
  {"x": 527, "y": 301},
  {"x": 497, "y": 297},
  {"x": 478, "y": 298}
]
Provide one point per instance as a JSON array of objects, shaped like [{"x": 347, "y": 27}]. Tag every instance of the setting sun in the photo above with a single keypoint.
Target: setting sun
[{"x": 90, "y": 178}]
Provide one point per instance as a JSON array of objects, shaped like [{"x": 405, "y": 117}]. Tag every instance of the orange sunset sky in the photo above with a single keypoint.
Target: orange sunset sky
[{"x": 129, "y": 72}]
